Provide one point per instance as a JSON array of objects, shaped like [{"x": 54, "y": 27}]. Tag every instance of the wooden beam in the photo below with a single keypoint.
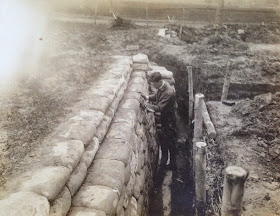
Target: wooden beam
[
  {"x": 95, "y": 12},
  {"x": 211, "y": 131},
  {"x": 200, "y": 178},
  {"x": 190, "y": 90},
  {"x": 197, "y": 123},
  {"x": 219, "y": 12},
  {"x": 227, "y": 80},
  {"x": 147, "y": 14}
]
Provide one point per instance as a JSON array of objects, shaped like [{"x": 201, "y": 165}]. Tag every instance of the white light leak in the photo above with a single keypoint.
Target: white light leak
[{"x": 21, "y": 26}]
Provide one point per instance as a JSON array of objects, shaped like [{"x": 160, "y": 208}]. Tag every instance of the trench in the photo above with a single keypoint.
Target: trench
[
  {"x": 182, "y": 191},
  {"x": 182, "y": 186}
]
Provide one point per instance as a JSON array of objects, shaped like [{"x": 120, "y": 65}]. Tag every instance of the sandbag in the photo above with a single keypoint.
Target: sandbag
[
  {"x": 140, "y": 58},
  {"x": 61, "y": 204},
  {"x": 164, "y": 73}
]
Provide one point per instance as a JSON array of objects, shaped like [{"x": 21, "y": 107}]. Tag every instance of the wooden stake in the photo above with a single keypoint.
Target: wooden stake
[
  {"x": 180, "y": 33},
  {"x": 200, "y": 178},
  {"x": 190, "y": 90},
  {"x": 95, "y": 12},
  {"x": 197, "y": 122},
  {"x": 208, "y": 11},
  {"x": 147, "y": 13},
  {"x": 114, "y": 15},
  {"x": 234, "y": 181},
  {"x": 184, "y": 16},
  {"x": 211, "y": 131},
  {"x": 227, "y": 81},
  {"x": 198, "y": 115},
  {"x": 219, "y": 12}
]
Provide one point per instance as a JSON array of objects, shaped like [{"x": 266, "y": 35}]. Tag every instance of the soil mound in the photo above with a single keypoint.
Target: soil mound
[
  {"x": 254, "y": 33},
  {"x": 261, "y": 117},
  {"x": 120, "y": 23}
]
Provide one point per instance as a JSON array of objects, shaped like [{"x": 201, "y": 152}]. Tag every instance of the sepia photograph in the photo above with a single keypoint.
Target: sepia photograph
[{"x": 140, "y": 108}]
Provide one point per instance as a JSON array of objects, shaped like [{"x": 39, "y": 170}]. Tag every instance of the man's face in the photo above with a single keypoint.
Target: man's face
[{"x": 157, "y": 84}]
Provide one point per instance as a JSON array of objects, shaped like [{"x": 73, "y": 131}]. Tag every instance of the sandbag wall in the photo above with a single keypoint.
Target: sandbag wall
[
  {"x": 119, "y": 180},
  {"x": 100, "y": 161}
]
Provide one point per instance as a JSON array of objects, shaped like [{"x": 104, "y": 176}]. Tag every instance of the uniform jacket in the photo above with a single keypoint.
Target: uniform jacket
[{"x": 164, "y": 102}]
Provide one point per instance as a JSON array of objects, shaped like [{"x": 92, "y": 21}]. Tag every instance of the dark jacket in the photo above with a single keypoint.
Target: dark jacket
[{"x": 164, "y": 102}]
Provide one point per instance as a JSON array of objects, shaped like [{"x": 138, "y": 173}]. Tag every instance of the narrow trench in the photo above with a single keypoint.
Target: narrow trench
[
  {"x": 181, "y": 193},
  {"x": 182, "y": 185}
]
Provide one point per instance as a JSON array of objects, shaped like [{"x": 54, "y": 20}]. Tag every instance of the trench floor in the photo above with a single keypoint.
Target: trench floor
[{"x": 173, "y": 195}]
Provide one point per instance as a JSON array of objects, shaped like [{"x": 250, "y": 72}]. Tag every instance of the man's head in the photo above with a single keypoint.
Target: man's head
[{"x": 156, "y": 79}]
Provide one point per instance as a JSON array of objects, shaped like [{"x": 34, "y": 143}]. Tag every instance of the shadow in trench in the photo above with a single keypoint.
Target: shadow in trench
[
  {"x": 182, "y": 186},
  {"x": 156, "y": 204}
]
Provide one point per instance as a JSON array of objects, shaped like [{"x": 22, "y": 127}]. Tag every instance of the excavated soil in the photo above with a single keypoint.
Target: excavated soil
[
  {"x": 248, "y": 137},
  {"x": 80, "y": 51}
]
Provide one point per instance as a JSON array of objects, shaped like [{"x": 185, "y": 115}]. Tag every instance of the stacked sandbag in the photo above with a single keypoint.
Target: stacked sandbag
[
  {"x": 55, "y": 172},
  {"x": 120, "y": 178},
  {"x": 100, "y": 161},
  {"x": 166, "y": 74}
]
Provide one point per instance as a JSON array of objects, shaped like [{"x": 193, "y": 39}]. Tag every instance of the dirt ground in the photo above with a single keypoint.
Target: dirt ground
[
  {"x": 76, "y": 52},
  {"x": 248, "y": 137}
]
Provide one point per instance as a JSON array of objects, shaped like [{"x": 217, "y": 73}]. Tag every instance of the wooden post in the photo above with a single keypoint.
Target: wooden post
[
  {"x": 190, "y": 90},
  {"x": 184, "y": 16},
  {"x": 147, "y": 13},
  {"x": 200, "y": 178},
  {"x": 111, "y": 6},
  {"x": 219, "y": 12},
  {"x": 234, "y": 181},
  {"x": 197, "y": 123},
  {"x": 95, "y": 12},
  {"x": 180, "y": 32},
  {"x": 208, "y": 11},
  {"x": 227, "y": 81},
  {"x": 211, "y": 131}
]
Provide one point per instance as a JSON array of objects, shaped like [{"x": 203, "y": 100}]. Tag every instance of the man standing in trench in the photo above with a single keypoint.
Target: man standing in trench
[{"x": 164, "y": 103}]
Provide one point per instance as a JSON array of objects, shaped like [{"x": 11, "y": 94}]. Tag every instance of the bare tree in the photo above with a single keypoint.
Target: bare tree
[{"x": 219, "y": 12}]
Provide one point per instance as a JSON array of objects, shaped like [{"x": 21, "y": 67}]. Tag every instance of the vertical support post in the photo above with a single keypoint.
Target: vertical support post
[
  {"x": 234, "y": 181},
  {"x": 190, "y": 90},
  {"x": 95, "y": 12},
  {"x": 184, "y": 16},
  {"x": 147, "y": 13},
  {"x": 219, "y": 12},
  {"x": 180, "y": 32},
  {"x": 227, "y": 80},
  {"x": 200, "y": 178},
  {"x": 197, "y": 123},
  {"x": 111, "y": 6},
  {"x": 208, "y": 11}
]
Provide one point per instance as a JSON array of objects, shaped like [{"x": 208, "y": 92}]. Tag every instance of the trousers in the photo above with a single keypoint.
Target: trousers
[{"x": 167, "y": 143}]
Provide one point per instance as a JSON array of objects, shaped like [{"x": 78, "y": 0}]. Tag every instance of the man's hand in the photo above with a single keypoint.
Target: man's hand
[
  {"x": 144, "y": 96},
  {"x": 150, "y": 108}
]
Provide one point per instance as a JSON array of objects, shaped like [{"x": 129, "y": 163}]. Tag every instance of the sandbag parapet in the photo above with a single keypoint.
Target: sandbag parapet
[{"x": 49, "y": 179}]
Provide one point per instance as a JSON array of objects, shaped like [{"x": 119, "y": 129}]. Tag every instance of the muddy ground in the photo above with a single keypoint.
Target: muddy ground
[{"x": 76, "y": 52}]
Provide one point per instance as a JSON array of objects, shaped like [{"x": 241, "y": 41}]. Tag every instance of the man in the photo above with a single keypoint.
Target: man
[{"x": 164, "y": 103}]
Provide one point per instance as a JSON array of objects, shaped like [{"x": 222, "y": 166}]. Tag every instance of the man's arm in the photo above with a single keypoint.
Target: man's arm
[
  {"x": 161, "y": 104},
  {"x": 152, "y": 97}
]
